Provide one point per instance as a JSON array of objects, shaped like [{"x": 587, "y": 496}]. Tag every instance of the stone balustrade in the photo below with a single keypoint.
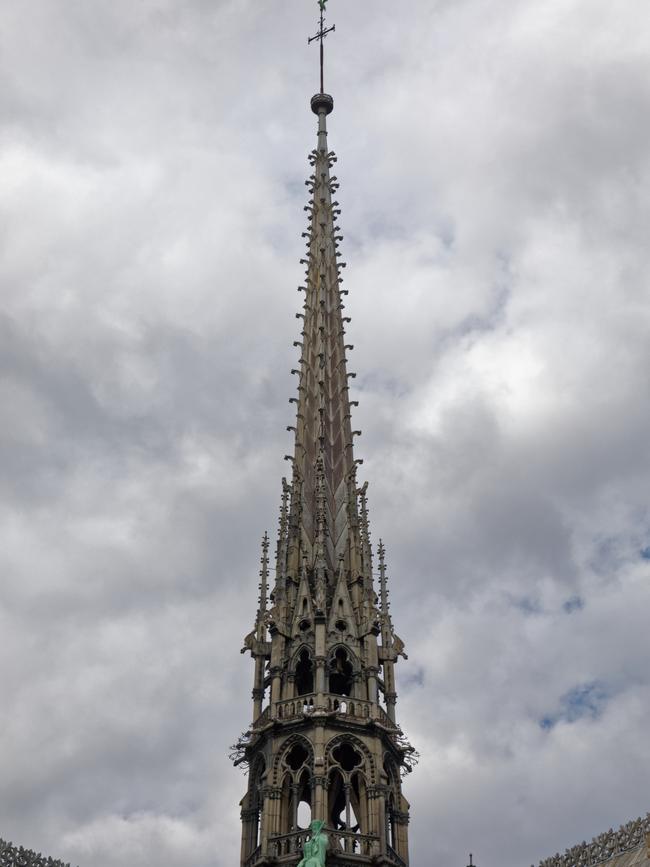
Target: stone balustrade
[
  {"x": 353, "y": 708},
  {"x": 353, "y": 844},
  {"x": 288, "y": 844},
  {"x": 285, "y": 845}
]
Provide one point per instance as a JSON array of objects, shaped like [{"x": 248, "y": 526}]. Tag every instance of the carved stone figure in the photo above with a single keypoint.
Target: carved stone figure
[{"x": 315, "y": 848}]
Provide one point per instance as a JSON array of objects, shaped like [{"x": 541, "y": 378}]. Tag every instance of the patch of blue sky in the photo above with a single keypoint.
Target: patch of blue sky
[
  {"x": 645, "y": 553},
  {"x": 528, "y": 605},
  {"x": 584, "y": 701},
  {"x": 575, "y": 603},
  {"x": 416, "y": 679},
  {"x": 609, "y": 555}
]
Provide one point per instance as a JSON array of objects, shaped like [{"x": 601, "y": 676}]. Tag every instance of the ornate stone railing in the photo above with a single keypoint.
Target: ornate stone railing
[
  {"x": 287, "y": 844},
  {"x": 602, "y": 848},
  {"x": 353, "y": 844},
  {"x": 293, "y": 708},
  {"x": 339, "y": 841},
  {"x": 12, "y": 856},
  {"x": 353, "y": 708}
]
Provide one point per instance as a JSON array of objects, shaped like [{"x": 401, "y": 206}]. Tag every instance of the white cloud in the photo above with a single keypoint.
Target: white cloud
[{"x": 495, "y": 182}]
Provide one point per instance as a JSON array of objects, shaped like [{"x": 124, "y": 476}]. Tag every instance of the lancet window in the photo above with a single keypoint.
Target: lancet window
[
  {"x": 340, "y": 672},
  {"x": 296, "y": 794},
  {"x": 347, "y": 805},
  {"x": 252, "y": 813},
  {"x": 392, "y": 803},
  {"x": 304, "y": 673}
]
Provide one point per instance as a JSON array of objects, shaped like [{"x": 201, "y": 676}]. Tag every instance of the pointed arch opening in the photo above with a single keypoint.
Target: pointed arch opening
[
  {"x": 347, "y": 810},
  {"x": 304, "y": 673},
  {"x": 255, "y": 804},
  {"x": 359, "y": 803},
  {"x": 336, "y": 801},
  {"x": 340, "y": 673},
  {"x": 303, "y": 812},
  {"x": 393, "y": 778},
  {"x": 286, "y": 811},
  {"x": 391, "y": 832}
]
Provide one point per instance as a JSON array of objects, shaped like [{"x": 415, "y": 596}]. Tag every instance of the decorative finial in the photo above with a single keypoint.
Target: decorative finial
[
  {"x": 383, "y": 589},
  {"x": 320, "y": 36},
  {"x": 471, "y": 863},
  {"x": 264, "y": 579}
]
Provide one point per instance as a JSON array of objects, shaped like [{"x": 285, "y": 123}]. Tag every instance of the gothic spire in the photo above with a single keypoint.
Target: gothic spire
[
  {"x": 323, "y": 458},
  {"x": 318, "y": 660},
  {"x": 263, "y": 588},
  {"x": 383, "y": 588}
]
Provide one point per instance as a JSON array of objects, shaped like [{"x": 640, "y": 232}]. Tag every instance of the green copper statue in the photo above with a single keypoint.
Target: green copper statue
[{"x": 315, "y": 848}]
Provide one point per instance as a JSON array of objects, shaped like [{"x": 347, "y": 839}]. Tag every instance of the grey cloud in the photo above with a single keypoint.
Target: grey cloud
[{"x": 494, "y": 184}]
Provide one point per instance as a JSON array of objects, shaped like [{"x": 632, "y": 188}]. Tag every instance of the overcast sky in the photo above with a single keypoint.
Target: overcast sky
[{"x": 494, "y": 159}]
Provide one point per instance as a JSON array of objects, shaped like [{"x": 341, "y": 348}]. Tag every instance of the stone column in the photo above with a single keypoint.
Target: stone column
[
  {"x": 266, "y": 808},
  {"x": 276, "y": 668},
  {"x": 319, "y": 781},
  {"x": 318, "y": 793},
  {"x": 373, "y": 690},
  {"x": 377, "y": 815},
  {"x": 248, "y": 817},
  {"x": 401, "y": 821},
  {"x": 258, "y": 687},
  {"x": 289, "y": 690},
  {"x": 348, "y": 842},
  {"x": 320, "y": 659},
  {"x": 372, "y": 667},
  {"x": 294, "y": 807},
  {"x": 389, "y": 688}
]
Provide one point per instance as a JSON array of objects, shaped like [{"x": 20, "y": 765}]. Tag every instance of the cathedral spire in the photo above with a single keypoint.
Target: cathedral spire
[
  {"x": 263, "y": 588},
  {"x": 323, "y": 450},
  {"x": 383, "y": 588},
  {"x": 323, "y": 741}
]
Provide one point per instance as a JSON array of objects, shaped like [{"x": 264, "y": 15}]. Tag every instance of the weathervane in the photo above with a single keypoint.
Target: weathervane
[{"x": 320, "y": 36}]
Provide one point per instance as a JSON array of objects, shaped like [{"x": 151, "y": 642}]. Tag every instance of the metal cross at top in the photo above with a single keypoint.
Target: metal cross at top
[{"x": 322, "y": 33}]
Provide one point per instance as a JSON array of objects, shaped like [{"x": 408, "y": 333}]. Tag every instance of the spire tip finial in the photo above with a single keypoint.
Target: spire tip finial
[{"x": 320, "y": 37}]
